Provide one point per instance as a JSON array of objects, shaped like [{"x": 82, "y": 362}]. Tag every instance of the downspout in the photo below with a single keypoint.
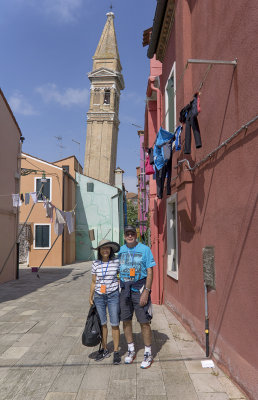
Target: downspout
[
  {"x": 156, "y": 203},
  {"x": 157, "y": 90}
]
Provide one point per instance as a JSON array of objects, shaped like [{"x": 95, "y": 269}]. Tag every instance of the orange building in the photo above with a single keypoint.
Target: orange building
[
  {"x": 59, "y": 188},
  {"x": 10, "y": 137}
]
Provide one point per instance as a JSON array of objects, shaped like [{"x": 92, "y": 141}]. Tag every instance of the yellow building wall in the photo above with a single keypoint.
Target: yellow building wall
[
  {"x": 62, "y": 195},
  {"x": 73, "y": 163},
  {"x": 38, "y": 215}
]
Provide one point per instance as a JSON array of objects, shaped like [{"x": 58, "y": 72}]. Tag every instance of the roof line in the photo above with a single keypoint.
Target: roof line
[
  {"x": 40, "y": 160},
  {"x": 156, "y": 28},
  {"x": 10, "y": 110}
]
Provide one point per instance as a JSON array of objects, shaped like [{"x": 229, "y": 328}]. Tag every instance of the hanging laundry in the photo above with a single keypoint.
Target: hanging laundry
[
  {"x": 22, "y": 197},
  {"x": 69, "y": 216},
  {"x": 149, "y": 170},
  {"x": 16, "y": 200},
  {"x": 34, "y": 196},
  {"x": 188, "y": 115},
  {"x": 178, "y": 137},
  {"x": 150, "y": 152},
  {"x": 27, "y": 198},
  {"x": 164, "y": 138},
  {"x": 49, "y": 209},
  {"x": 163, "y": 160},
  {"x": 161, "y": 174},
  {"x": 59, "y": 222}
]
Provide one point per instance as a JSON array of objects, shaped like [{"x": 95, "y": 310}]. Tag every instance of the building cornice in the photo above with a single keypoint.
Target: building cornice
[
  {"x": 167, "y": 24},
  {"x": 163, "y": 22},
  {"x": 101, "y": 73}
]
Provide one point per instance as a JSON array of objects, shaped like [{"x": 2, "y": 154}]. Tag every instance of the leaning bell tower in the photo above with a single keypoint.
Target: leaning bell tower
[{"x": 102, "y": 117}]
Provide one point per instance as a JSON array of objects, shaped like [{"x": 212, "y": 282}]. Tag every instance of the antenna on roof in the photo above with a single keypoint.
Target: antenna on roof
[
  {"x": 59, "y": 144},
  {"x": 79, "y": 144}
]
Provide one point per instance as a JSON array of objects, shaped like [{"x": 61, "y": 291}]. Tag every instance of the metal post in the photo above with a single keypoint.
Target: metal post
[
  {"x": 206, "y": 321},
  {"x": 17, "y": 259}
]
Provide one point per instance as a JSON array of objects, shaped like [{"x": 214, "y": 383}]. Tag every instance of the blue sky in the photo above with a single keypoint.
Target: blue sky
[{"x": 46, "y": 53}]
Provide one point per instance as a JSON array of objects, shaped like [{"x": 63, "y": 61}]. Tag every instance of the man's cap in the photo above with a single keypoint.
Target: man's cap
[
  {"x": 107, "y": 243},
  {"x": 130, "y": 228}
]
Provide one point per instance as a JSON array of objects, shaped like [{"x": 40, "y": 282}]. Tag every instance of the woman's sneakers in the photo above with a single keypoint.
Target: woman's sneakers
[
  {"x": 102, "y": 353},
  {"x": 147, "y": 361},
  {"x": 117, "y": 358},
  {"x": 130, "y": 357}
]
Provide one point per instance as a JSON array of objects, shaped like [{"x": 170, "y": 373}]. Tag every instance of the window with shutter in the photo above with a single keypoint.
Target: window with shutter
[
  {"x": 45, "y": 189},
  {"x": 90, "y": 187},
  {"x": 170, "y": 101},
  {"x": 42, "y": 236}
]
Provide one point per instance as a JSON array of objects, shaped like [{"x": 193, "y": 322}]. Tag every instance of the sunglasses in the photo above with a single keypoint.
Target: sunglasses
[{"x": 130, "y": 234}]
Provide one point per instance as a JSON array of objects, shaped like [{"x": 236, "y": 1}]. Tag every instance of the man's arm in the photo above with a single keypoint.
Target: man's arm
[{"x": 145, "y": 294}]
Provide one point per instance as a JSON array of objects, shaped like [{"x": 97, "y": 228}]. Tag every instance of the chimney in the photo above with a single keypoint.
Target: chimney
[{"x": 119, "y": 178}]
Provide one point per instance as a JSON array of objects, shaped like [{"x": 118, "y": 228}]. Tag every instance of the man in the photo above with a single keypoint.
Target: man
[{"x": 136, "y": 262}]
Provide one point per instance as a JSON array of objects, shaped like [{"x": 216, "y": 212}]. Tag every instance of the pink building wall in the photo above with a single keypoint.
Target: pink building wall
[
  {"x": 9, "y": 183},
  {"x": 143, "y": 189},
  {"x": 150, "y": 131},
  {"x": 217, "y": 202}
]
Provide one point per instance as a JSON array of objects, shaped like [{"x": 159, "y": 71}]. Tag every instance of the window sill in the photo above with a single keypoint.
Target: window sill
[
  {"x": 41, "y": 248},
  {"x": 173, "y": 274}
]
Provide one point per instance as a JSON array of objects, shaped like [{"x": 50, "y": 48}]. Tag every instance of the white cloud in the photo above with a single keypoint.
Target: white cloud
[
  {"x": 130, "y": 183},
  {"x": 20, "y": 105},
  {"x": 68, "y": 97},
  {"x": 65, "y": 10}
]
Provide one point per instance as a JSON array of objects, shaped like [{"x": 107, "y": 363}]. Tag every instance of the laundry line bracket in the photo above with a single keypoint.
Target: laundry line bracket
[{"x": 218, "y": 62}]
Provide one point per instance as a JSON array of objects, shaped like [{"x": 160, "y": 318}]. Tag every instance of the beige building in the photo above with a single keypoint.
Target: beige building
[
  {"x": 102, "y": 117},
  {"x": 59, "y": 188},
  {"x": 10, "y": 137}
]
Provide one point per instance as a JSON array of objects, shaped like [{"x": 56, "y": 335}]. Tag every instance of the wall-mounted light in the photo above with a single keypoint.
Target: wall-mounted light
[{"x": 43, "y": 179}]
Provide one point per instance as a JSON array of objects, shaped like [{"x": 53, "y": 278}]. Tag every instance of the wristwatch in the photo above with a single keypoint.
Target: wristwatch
[{"x": 149, "y": 290}]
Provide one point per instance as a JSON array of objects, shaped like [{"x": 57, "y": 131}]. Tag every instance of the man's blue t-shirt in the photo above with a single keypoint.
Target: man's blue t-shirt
[{"x": 139, "y": 257}]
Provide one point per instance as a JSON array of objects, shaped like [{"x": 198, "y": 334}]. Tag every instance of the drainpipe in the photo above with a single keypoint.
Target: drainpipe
[
  {"x": 157, "y": 90},
  {"x": 152, "y": 79}
]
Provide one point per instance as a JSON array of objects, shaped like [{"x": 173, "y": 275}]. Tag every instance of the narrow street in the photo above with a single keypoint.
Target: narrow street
[{"x": 42, "y": 358}]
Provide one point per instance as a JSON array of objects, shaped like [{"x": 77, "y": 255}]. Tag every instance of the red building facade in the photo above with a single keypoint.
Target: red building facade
[{"x": 209, "y": 48}]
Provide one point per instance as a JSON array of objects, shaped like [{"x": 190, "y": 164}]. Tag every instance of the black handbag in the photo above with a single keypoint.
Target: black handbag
[{"x": 92, "y": 333}]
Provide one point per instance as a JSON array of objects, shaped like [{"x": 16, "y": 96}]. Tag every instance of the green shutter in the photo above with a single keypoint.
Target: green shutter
[{"x": 42, "y": 236}]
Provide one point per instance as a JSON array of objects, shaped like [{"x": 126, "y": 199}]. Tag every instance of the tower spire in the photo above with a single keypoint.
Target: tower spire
[{"x": 102, "y": 117}]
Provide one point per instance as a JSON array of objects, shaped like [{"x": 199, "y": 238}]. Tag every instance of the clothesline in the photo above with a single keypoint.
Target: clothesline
[
  {"x": 208, "y": 157},
  {"x": 62, "y": 218},
  {"x": 37, "y": 195}
]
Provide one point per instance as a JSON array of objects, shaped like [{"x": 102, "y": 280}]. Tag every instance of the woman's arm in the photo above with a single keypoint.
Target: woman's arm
[{"x": 92, "y": 289}]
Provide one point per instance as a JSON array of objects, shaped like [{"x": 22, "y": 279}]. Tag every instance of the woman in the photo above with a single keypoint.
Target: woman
[{"x": 105, "y": 294}]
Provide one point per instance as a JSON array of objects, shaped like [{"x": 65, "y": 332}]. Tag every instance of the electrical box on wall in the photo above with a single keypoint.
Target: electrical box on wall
[{"x": 209, "y": 266}]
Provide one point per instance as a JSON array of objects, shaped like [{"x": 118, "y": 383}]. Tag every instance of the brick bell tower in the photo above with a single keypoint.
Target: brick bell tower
[{"x": 102, "y": 117}]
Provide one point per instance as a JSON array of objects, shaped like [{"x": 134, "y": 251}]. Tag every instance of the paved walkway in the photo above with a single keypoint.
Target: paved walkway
[{"x": 42, "y": 358}]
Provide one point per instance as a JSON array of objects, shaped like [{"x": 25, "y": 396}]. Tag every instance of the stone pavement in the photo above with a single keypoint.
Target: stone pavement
[{"x": 42, "y": 358}]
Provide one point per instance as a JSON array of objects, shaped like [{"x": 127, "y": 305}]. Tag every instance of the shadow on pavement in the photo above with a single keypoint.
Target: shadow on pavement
[
  {"x": 159, "y": 339},
  {"x": 28, "y": 281}
]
